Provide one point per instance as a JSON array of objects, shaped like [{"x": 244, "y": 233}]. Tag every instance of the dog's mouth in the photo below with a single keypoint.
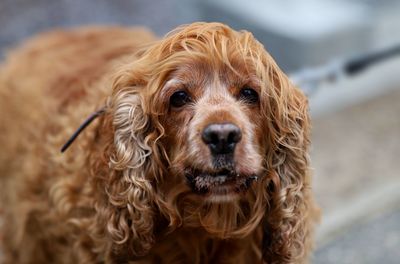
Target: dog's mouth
[{"x": 224, "y": 182}]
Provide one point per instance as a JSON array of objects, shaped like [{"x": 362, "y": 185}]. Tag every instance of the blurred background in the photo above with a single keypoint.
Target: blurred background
[{"x": 356, "y": 119}]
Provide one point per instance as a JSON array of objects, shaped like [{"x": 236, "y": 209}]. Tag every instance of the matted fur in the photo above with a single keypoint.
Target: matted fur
[{"x": 119, "y": 193}]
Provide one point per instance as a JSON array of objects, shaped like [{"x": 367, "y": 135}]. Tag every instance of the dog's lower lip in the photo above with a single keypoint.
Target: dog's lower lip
[
  {"x": 223, "y": 182},
  {"x": 224, "y": 173}
]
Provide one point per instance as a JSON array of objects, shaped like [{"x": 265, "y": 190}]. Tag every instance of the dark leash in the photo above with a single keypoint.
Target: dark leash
[
  {"x": 309, "y": 79},
  {"x": 87, "y": 122}
]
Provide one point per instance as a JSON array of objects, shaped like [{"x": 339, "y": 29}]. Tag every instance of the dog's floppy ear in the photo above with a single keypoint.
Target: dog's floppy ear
[
  {"x": 127, "y": 211},
  {"x": 285, "y": 222}
]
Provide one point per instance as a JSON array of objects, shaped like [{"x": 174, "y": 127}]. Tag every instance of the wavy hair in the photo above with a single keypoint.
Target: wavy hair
[
  {"x": 121, "y": 194},
  {"x": 134, "y": 168}
]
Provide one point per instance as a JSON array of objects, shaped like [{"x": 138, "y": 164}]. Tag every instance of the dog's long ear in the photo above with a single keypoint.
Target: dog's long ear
[
  {"x": 127, "y": 210},
  {"x": 286, "y": 223}
]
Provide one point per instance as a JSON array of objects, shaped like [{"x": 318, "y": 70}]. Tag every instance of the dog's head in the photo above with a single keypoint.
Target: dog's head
[
  {"x": 212, "y": 113},
  {"x": 203, "y": 119}
]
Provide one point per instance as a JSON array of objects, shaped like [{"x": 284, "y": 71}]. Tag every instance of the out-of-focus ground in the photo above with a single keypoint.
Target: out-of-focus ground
[
  {"x": 356, "y": 156},
  {"x": 375, "y": 240},
  {"x": 356, "y": 149}
]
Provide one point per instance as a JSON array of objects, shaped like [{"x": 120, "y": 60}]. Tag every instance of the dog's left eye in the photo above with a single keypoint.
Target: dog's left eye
[
  {"x": 248, "y": 95},
  {"x": 179, "y": 99}
]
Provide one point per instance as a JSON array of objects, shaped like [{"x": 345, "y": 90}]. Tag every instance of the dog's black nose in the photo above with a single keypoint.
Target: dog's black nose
[{"x": 222, "y": 138}]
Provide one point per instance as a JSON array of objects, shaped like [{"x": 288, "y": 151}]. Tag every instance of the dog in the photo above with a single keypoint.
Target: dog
[{"x": 197, "y": 151}]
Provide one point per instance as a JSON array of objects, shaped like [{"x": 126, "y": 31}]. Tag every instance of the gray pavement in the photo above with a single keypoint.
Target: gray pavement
[
  {"x": 357, "y": 182},
  {"x": 370, "y": 241},
  {"x": 356, "y": 149}
]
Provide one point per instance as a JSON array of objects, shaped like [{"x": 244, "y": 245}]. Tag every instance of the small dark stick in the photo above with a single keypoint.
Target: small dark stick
[
  {"x": 81, "y": 128},
  {"x": 357, "y": 64}
]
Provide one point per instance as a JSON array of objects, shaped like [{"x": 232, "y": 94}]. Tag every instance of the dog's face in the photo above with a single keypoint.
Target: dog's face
[
  {"x": 214, "y": 127},
  {"x": 208, "y": 90},
  {"x": 205, "y": 116},
  {"x": 204, "y": 104}
]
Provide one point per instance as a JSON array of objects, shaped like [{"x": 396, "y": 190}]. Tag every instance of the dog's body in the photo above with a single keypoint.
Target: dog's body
[{"x": 118, "y": 194}]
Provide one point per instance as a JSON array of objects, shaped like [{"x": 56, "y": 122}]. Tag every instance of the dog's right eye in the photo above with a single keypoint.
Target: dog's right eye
[
  {"x": 179, "y": 99},
  {"x": 249, "y": 95}
]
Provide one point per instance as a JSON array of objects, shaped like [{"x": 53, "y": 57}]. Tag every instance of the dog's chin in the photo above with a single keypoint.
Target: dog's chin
[{"x": 220, "y": 186}]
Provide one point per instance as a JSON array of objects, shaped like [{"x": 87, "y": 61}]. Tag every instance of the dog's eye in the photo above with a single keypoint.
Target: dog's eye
[
  {"x": 248, "y": 95},
  {"x": 179, "y": 99}
]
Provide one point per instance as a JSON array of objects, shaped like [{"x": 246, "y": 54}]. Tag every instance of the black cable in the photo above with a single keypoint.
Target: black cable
[
  {"x": 355, "y": 65},
  {"x": 81, "y": 128}
]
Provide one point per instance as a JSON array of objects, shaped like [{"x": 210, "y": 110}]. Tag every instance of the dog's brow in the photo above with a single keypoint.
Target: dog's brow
[
  {"x": 172, "y": 82},
  {"x": 169, "y": 84}
]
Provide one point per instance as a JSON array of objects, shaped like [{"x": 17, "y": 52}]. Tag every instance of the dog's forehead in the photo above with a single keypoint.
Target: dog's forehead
[
  {"x": 204, "y": 77},
  {"x": 209, "y": 88}
]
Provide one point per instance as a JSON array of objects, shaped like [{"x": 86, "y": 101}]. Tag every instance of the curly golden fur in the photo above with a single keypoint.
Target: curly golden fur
[{"x": 140, "y": 185}]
